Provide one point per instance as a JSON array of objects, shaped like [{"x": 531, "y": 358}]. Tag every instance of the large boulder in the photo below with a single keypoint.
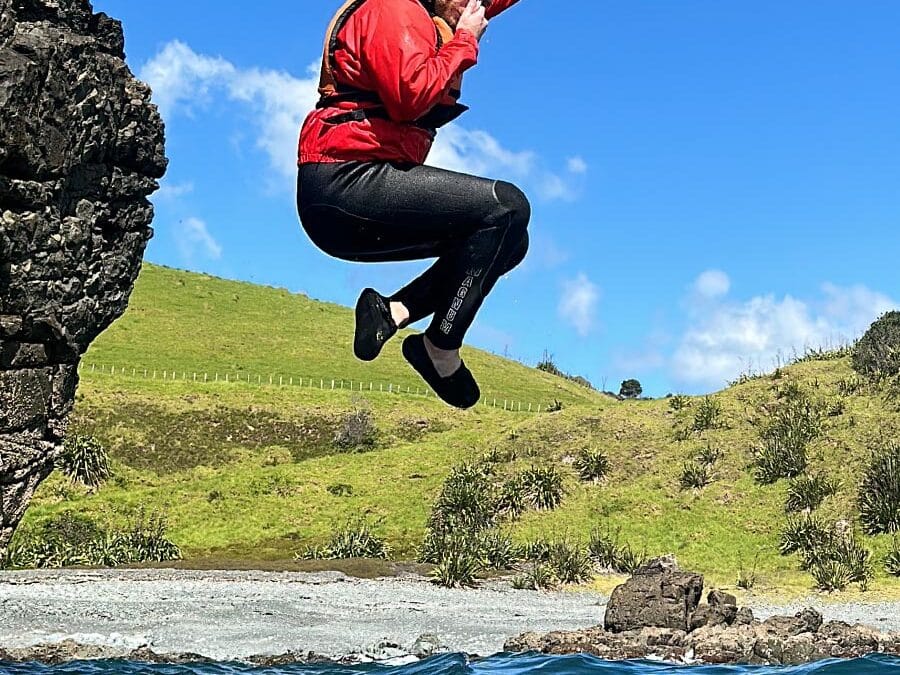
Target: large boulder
[
  {"x": 81, "y": 147},
  {"x": 658, "y": 595}
]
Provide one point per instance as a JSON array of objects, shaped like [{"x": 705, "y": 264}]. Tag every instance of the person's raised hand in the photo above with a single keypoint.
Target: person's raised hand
[{"x": 472, "y": 19}]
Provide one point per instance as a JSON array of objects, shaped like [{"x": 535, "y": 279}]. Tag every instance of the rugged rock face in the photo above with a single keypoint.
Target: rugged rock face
[
  {"x": 81, "y": 148},
  {"x": 661, "y": 595}
]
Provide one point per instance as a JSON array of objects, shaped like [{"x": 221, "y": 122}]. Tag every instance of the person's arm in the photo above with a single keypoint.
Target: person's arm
[
  {"x": 498, "y": 6},
  {"x": 399, "y": 55}
]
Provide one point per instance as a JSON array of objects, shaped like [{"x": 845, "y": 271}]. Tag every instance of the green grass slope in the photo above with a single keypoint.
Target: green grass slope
[
  {"x": 249, "y": 472},
  {"x": 190, "y": 323}
]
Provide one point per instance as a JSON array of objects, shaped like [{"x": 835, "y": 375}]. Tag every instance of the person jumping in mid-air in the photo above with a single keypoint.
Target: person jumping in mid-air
[{"x": 391, "y": 76}]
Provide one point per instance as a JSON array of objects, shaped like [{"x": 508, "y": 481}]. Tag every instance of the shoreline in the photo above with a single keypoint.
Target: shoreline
[{"x": 235, "y": 615}]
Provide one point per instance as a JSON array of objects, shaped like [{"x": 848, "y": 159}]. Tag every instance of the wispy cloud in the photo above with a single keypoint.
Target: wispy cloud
[
  {"x": 576, "y": 165},
  {"x": 712, "y": 284},
  {"x": 184, "y": 81},
  {"x": 726, "y": 338},
  {"x": 172, "y": 191},
  {"x": 192, "y": 237},
  {"x": 578, "y": 304}
]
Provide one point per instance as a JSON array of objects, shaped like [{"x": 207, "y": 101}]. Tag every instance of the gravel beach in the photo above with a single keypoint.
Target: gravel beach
[{"x": 234, "y": 615}]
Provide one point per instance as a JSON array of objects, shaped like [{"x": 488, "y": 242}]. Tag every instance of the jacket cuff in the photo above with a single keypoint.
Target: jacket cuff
[{"x": 467, "y": 38}]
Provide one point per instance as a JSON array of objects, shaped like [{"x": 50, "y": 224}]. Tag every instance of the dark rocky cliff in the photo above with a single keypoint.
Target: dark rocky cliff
[{"x": 81, "y": 147}]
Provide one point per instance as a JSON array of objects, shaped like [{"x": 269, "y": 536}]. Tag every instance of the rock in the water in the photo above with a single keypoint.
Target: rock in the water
[
  {"x": 718, "y": 632},
  {"x": 659, "y": 595},
  {"x": 81, "y": 147},
  {"x": 713, "y": 615},
  {"x": 426, "y": 645},
  {"x": 719, "y": 598}
]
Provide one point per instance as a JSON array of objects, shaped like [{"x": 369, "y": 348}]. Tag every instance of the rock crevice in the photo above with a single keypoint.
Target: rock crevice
[{"x": 81, "y": 149}]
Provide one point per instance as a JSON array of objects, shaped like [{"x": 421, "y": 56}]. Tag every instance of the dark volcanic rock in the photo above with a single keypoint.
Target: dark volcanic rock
[
  {"x": 81, "y": 147},
  {"x": 658, "y": 595},
  {"x": 718, "y": 632}
]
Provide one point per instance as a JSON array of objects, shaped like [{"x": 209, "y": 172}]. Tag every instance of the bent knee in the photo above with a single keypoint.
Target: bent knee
[{"x": 513, "y": 199}]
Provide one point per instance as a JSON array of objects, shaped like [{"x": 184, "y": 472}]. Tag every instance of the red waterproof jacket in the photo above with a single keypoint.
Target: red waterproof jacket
[{"x": 389, "y": 47}]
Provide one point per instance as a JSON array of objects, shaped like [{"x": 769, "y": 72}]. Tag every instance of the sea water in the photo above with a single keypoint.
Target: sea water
[{"x": 457, "y": 664}]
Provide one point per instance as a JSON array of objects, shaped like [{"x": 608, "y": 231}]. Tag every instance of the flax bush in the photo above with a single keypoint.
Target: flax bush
[
  {"x": 84, "y": 460},
  {"x": 879, "y": 491}
]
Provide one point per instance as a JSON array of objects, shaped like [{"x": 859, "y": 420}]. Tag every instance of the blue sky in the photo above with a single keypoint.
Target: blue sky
[{"x": 715, "y": 185}]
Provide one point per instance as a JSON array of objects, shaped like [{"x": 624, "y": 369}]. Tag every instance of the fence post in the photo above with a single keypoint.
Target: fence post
[
  {"x": 217, "y": 377},
  {"x": 332, "y": 385},
  {"x": 226, "y": 377}
]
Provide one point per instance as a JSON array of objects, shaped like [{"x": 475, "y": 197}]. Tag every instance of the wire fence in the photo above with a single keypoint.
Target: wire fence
[{"x": 276, "y": 380}]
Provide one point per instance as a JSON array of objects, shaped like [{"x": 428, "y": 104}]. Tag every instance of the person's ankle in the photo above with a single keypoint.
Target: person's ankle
[
  {"x": 445, "y": 361},
  {"x": 399, "y": 313}
]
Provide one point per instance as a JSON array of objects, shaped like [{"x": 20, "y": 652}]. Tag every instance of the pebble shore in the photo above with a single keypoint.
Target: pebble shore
[{"x": 236, "y": 615}]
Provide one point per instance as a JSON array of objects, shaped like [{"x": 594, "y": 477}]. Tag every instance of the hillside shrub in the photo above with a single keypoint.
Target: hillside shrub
[
  {"x": 877, "y": 353},
  {"x": 497, "y": 549},
  {"x": 803, "y": 534},
  {"x": 607, "y": 550},
  {"x": 84, "y": 460},
  {"x": 459, "y": 562},
  {"x": 879, "y": 491},
  {"x": 842, "y": 560},
  {"x": 694, "y": 475},
  {"x": 537, "y": 550},
  {"x": 511, "y": 499},
  {"x": 709, "y": 455},
  {"x": 831, "y": 575},
  {"x": 73, "y": 539},
  {"x": 467, "y": 500},
  {"x": 547, "y": 365},
  {"x": 354, "y": 539},
  {"x": 540, "y": 576},
  {"x": 591, "y": 464},
  {"x": 807, "y": 492},
  {"x": 543, "y": 487},
  {"x": 833, "y": 555},
  {"x": 892, "y": 559},
  {"x": 708, "y": 415},
  {"x": 570, "y": 563},
  {"x": 356, "y": 431},
  {"x": 795, "y": 422},
  {"x": 679, "y": 402}
]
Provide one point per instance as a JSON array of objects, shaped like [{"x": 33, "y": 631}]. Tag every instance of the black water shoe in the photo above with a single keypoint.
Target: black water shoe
[
  {"x": 459, "y": 389},
  {"x": 374, "y": 325}
]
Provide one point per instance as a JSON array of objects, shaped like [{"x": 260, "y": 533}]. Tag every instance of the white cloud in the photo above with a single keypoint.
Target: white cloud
[
  {"x": 172, "y": 191},
  {"x": 578, "y": 304},
  {"x": 193, "y": 237},
  {"x": 182, "y": 79},
  {"x": 576, "y": 165},
  {"x": 727, "y": 338},
  {"x": 477, "y": 152},
  {"x": 712, "y": 284}
]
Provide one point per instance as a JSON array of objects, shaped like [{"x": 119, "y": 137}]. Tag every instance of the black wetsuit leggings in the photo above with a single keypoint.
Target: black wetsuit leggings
[{"x": 381, "y": 211}]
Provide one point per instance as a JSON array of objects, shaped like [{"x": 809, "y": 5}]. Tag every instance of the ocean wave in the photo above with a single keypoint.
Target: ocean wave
[{"x": 459, "y": 664}]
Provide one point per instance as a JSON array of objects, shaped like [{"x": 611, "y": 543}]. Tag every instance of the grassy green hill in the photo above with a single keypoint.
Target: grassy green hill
[{"x": 249, "y": 471}]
